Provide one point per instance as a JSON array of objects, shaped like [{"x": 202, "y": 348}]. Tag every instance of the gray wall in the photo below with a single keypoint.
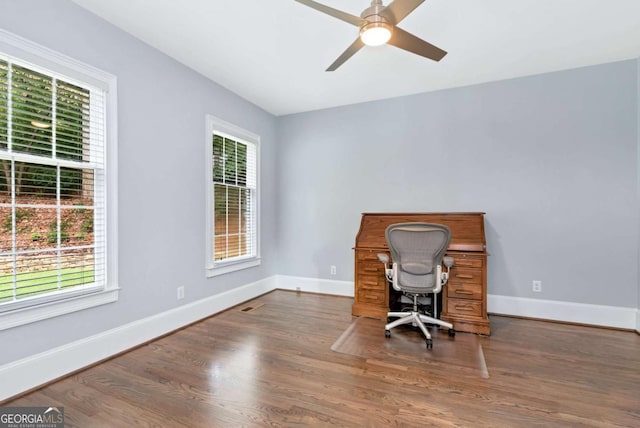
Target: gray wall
[
  {"x": 638, "y": 186},
  {"x": 551, "y": 159},
  {"x": 161, "y": 117}
]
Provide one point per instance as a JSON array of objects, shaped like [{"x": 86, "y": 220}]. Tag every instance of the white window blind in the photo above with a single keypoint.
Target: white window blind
[
  {"x": 233, "y": 197},
  {"x": 52, "y": 186},
  {"x": 234, "y": 164}
]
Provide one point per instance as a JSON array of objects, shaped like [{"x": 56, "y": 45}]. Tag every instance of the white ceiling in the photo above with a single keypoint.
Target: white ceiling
[{"x": 274, "y": 53}]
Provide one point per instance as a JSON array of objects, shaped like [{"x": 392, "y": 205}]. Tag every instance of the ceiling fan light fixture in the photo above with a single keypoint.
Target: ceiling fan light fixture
[{"x": 375, "y": 33}]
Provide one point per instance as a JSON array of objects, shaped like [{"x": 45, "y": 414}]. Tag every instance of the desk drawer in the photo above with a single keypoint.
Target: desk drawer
[
  {"x": 371, "y": 297},
  {"x": 372, "y": 282},
  {"x": 461, "y": 260},
  {"x": 370, "y": 268},
  {"x": 464, "y": 307},
  {"x": 370, "y": 255},
  {"x": 464, "y": 291},
  {"x": 465, "y": 275}
]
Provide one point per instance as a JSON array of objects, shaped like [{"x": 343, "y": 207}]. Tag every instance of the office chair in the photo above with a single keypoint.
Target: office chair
[{"x": 417, "y": 251}]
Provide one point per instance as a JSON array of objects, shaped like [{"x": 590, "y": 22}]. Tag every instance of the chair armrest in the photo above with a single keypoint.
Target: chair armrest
[{"x": 384, "y": 258}]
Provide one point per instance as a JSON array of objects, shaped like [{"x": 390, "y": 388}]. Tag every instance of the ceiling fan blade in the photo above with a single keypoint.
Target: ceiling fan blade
[
  {"x": 397, "y": 10},
  {"x": 407, "y": 41},
  {"x": 351, "y": 50},
  {"x": 344, "y": 16}
]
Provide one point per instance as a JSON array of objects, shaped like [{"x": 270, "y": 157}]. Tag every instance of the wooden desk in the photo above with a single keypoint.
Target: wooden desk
[{"x": 464, "y": 298}]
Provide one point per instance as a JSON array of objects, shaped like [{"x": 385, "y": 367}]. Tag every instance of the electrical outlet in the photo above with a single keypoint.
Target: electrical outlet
[
  {"x": 537, "y": 286},
  {"x": 180, "y": 292},
  {"x": 333, "y": 270}
]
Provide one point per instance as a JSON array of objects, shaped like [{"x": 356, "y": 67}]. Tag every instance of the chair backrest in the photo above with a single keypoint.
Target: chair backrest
[{"x": 417, "y": 248}]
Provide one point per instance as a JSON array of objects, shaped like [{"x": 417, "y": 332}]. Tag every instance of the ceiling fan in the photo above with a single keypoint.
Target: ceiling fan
[{"x": 378, "y": 25}]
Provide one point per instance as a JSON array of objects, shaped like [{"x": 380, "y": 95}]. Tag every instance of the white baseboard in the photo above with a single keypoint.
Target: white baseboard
[
  {"x": 598, "y": 315},
  {"x": 315, "y": 285},
  {"x": 31, "y": 372},
  {"x": 28, "y": 373}
]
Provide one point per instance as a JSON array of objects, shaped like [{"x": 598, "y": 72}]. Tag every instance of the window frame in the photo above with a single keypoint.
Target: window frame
[
  {"x": 214, "y": 268},
  {"x": 55, "y": 304}
]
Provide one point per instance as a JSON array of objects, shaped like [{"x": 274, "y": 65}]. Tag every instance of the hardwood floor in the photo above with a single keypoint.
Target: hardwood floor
[{"x": 273, "y": 366}]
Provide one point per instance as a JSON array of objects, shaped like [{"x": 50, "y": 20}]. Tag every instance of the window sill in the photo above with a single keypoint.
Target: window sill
[
  {"x": 56, "y": 308},
  {"x": 232, "y": 267}
]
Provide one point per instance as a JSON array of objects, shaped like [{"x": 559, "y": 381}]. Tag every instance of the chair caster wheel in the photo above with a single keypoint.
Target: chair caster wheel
[
  {"x": 452, "y": 332},
  {"x": 387, "y": 333},
  {"x": 429, "y": 344}
]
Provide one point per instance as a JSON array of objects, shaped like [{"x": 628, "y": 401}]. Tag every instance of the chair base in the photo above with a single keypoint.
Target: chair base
[{"x": 416, "y": 319}]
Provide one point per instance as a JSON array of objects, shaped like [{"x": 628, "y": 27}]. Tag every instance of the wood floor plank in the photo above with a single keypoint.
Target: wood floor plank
[{"x": 273, "y": 365}]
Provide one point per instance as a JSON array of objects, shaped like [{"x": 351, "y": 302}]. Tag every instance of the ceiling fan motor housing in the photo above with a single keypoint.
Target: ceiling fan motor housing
[{"x": 373, "y": 13}]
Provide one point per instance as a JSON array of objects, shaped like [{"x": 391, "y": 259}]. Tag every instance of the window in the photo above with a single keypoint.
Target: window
[
  {"x": 53, "y": 185},
  {"x": 232, "y": 192}
]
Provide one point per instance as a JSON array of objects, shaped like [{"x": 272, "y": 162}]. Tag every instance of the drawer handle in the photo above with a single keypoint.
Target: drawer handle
[
  {"x": 459, "y": 275},
  {"x": 464, "y": 292},
  {"x": 372, "y": 297},
  {"x": 464, "y": 308},
  {"x": 369, "y": 283},
  {"x": 370, "y": 269}
]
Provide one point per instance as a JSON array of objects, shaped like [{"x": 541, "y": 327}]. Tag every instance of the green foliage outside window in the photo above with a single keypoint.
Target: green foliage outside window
[
  {"x": 33, "y": 128},
  {"x": 229, "y": 167}
]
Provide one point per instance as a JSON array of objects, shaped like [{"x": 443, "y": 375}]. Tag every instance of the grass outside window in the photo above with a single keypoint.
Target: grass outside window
[{"x": 42, "y": 282}]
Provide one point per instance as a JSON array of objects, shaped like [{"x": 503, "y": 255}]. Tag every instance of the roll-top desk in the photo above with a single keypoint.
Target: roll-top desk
[{"x": 464, "y": 298}]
